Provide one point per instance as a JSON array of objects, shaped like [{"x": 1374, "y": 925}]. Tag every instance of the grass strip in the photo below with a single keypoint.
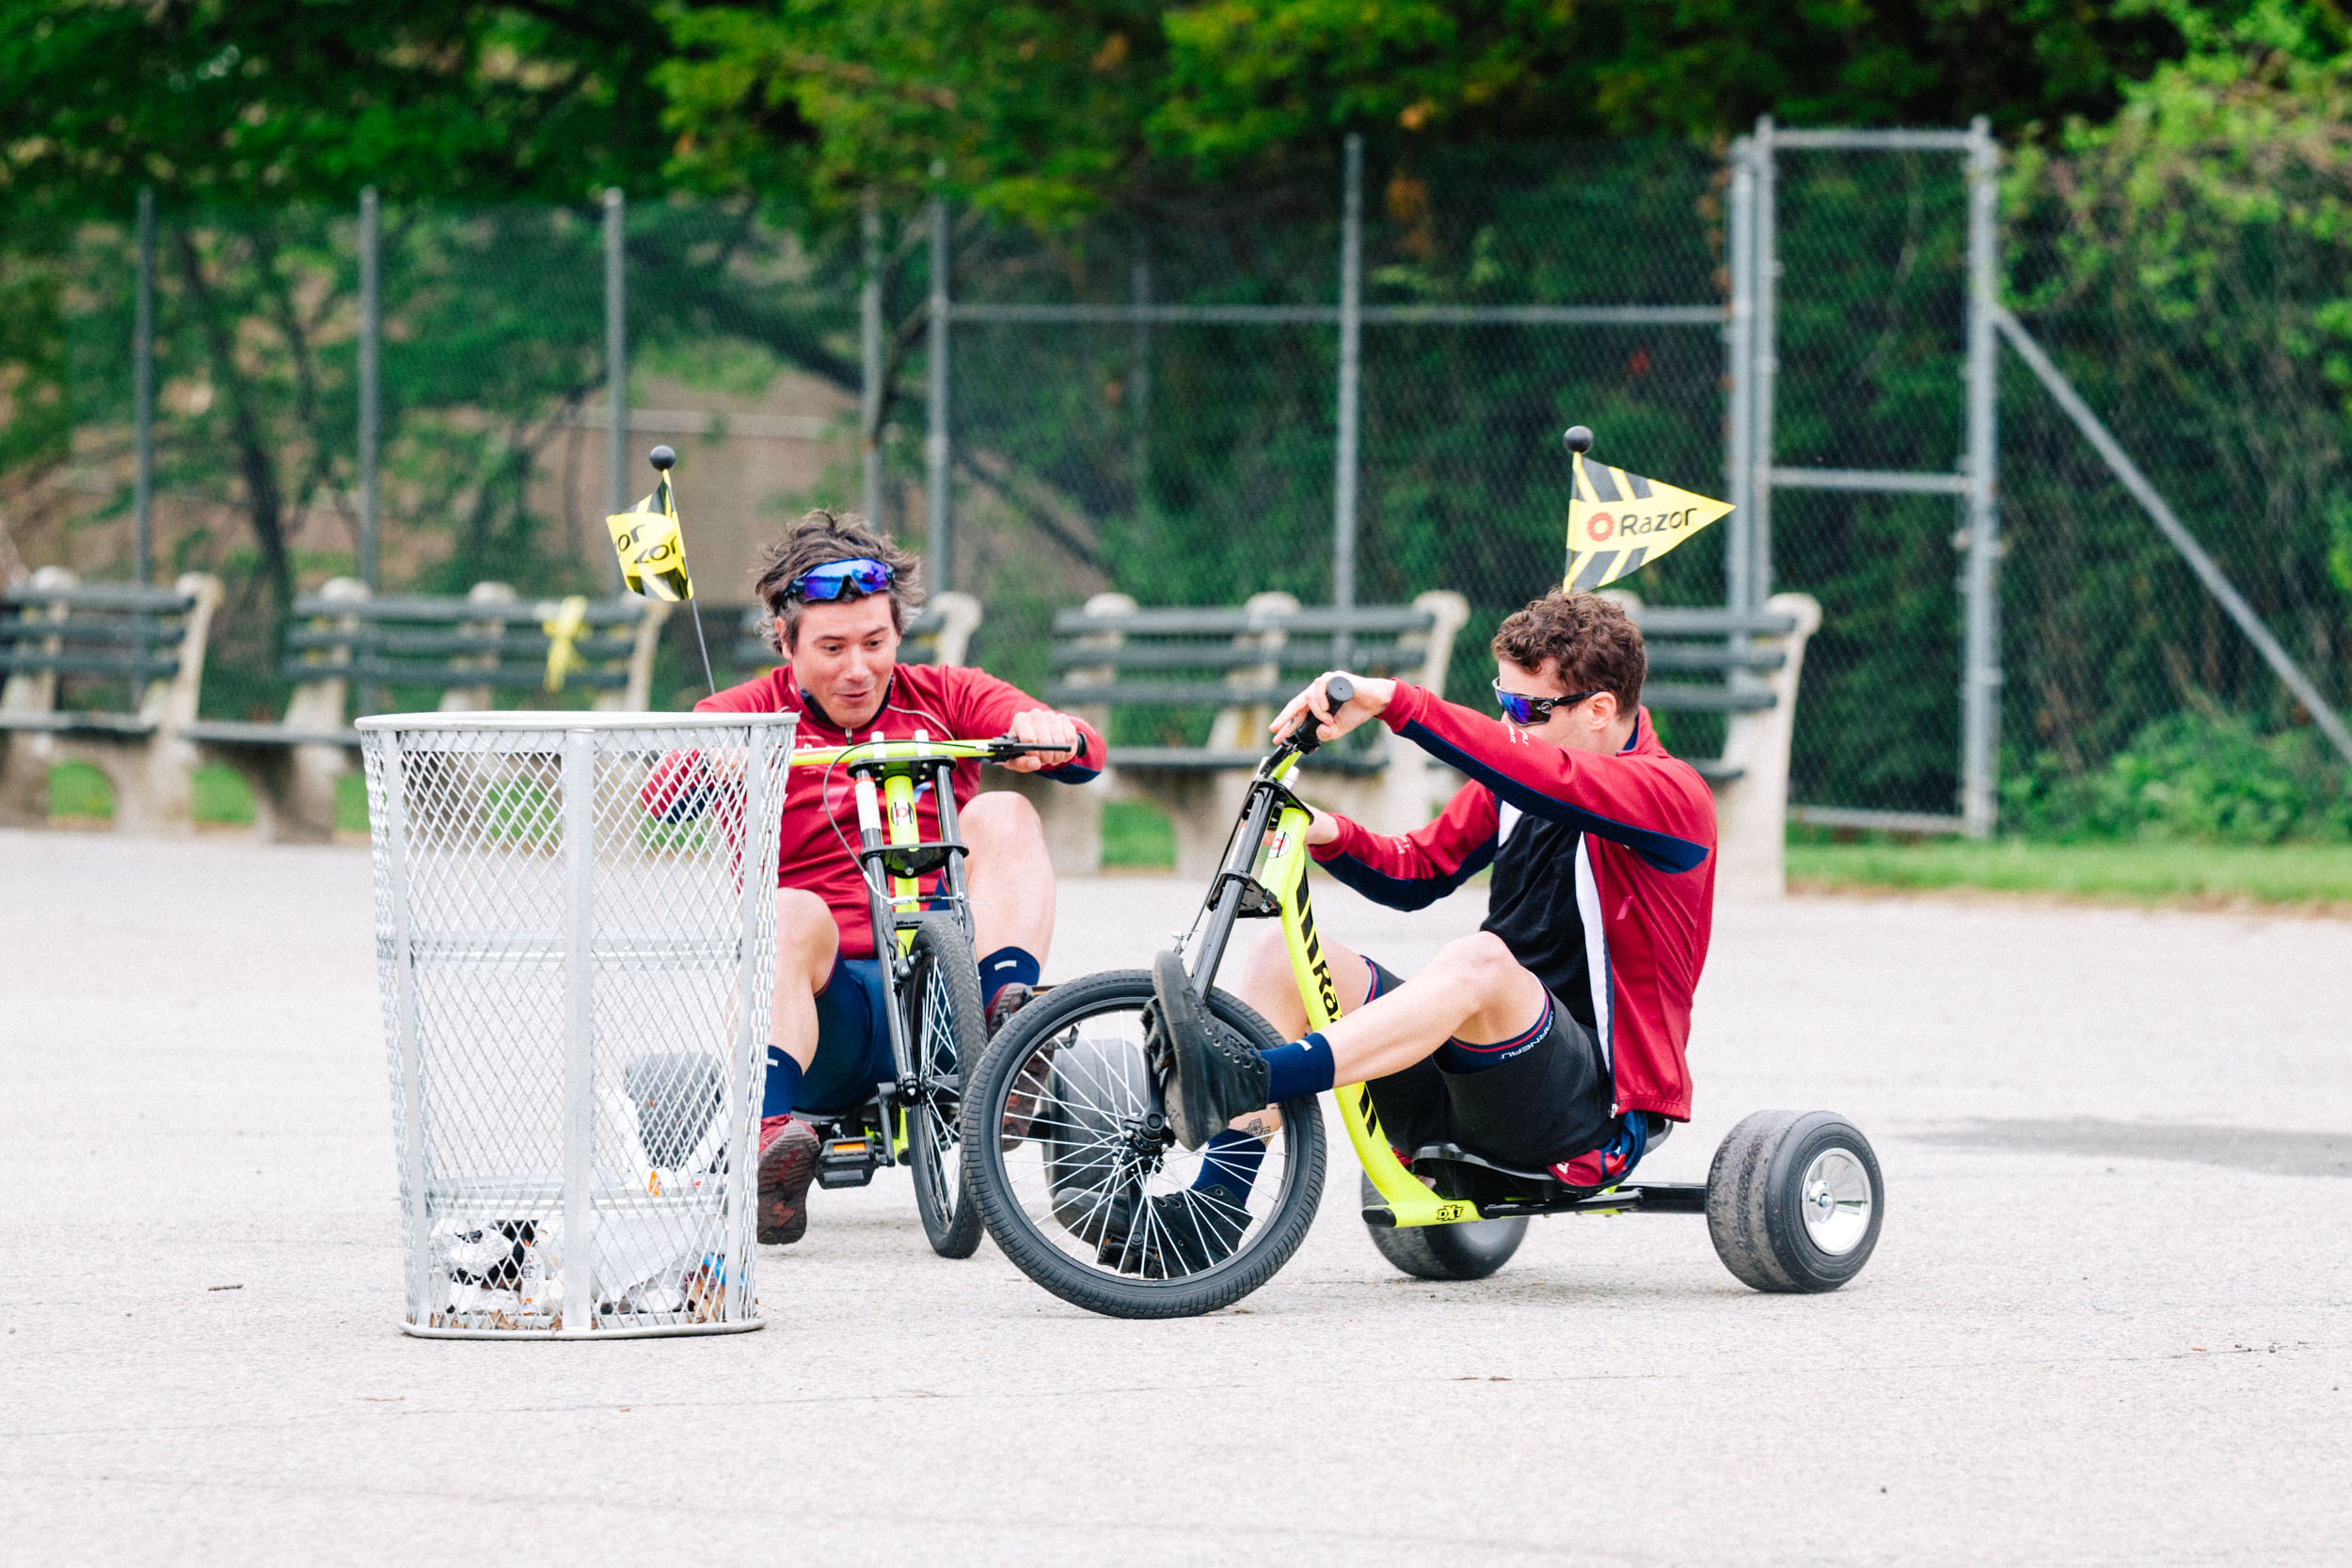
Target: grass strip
[{"x": 2138, "y": 872}]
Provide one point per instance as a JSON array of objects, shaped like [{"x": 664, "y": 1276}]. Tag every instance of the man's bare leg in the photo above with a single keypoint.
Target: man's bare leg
[
  {"x": 807, "y": 941},
  {"x": 1009, "y": 873},
  {"x": 1474, "y": 992}
]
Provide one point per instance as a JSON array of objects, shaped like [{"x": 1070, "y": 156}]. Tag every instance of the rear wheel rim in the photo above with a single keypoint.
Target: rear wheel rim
[{"x": 1835, "y": 1201}]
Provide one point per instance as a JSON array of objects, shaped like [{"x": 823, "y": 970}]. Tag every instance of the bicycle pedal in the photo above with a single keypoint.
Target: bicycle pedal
[{"x": 846, "y": 1163}]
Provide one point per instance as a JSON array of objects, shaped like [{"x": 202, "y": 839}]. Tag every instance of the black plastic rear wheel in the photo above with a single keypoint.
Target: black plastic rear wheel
[
  {"x": 1794, "y": 1200},
  {"x": 1470, "y": 1250},
  {"x": 946, "y": 1028}
]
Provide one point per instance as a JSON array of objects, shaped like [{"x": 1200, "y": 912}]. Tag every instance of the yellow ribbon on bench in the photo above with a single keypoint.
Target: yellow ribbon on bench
[
  {"x": 1618, "y": 522},
  {"x": 563, "y": 657}
]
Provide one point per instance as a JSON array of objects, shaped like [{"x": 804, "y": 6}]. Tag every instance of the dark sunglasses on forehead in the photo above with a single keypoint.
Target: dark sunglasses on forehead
[
  {"x": 835, "y": 578},
  {"x": 1534, "y": 710}
]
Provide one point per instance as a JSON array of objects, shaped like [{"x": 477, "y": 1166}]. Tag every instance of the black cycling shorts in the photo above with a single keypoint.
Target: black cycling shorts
[{"x": 1541, "y": 1106}]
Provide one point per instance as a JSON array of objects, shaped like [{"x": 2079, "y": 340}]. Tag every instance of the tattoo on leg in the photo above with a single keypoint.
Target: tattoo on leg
[{"x": 1257, "y": 1127}]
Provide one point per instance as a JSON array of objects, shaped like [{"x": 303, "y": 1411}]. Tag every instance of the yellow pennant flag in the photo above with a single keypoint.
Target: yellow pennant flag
[
  {"x": 653, "y": 557},
  {"x": 1620, "y": 522}
]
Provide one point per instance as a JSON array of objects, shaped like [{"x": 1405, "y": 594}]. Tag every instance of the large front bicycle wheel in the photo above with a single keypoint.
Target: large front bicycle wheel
[
  {"x": 1080, "y": 1178},
  {"x": 947, "y": 1026}
]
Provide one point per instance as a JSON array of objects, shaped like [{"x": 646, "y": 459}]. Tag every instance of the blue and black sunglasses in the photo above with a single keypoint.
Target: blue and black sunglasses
[
  {"x": 838, "y": 578},
  {"x": 1534, "y": 710}
]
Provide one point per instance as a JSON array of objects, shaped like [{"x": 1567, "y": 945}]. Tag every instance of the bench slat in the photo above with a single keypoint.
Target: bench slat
[
  {"x": 131, "y": 665},
  {"x": 372, "y": 640},
  {"x": 1683, "y": 621},
  {"x": 387, "y": 672},
  {"x": 69, "y": 720},
  {"x": 223, "y": 731},
  {"x": 455, "y": 612},
  {"x": 1723, "y": 656},
  {"x": 158, "y": 601},
  {"x": 1169, "y": 694},
  {"x": 1313, "y": 654},
  {"x": 1677, "y": 697},
  {"x": 1227, "y": 621},
  {"x": 142, "y": 632}
]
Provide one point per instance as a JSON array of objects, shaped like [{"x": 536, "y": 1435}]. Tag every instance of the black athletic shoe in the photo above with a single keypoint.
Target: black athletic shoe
[
  {"x": 1206, "y": 1079},
  {"x": 1184, "y": 1233}
]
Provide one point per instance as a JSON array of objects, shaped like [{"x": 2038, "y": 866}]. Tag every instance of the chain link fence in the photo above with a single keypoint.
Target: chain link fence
[{"x": 1150, "y": 402}]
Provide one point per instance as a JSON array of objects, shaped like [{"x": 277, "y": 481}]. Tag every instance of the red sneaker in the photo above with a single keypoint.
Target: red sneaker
[{"x": 788, "y": 1158}]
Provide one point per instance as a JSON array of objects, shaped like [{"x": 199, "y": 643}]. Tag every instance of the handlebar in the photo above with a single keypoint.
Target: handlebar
[
  {"x": 1302, "y": 740},
  {"x": 888, "y": 751}
]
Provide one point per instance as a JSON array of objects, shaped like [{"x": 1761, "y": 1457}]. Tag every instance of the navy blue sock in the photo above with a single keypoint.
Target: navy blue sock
[
  {"x": 1229, "y": 1161},
  {"x": 1004, "y": 967},
  {"x": 1459, "y": 1056},
  {"x": 784, "y": 1081},
  {"x": 1302, "y": 1067}
]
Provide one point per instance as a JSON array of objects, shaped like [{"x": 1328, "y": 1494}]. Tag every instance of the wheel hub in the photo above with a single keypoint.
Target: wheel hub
[{"x": 1836, "y": 1201}]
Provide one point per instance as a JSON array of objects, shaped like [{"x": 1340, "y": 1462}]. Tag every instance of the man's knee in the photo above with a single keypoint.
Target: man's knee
[
  {"x": 806, "y": 937},
  {"x": 1480, "y": 961},
  {"x": 1001, "y": 818}
]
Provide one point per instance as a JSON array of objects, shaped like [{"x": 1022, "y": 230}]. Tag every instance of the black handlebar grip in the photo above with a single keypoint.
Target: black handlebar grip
[{"x": 1338, "y": 690}]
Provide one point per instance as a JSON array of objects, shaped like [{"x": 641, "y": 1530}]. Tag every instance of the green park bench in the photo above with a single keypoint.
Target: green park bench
[
  {"x": 104, "y": 674},
  {"x": 458, "y": 655},
  {"x": 1169, "y": 668}
]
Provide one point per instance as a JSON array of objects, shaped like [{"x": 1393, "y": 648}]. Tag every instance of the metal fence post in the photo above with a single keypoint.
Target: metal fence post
[
  {"x": 1765, "y": 282},
  {"x": 143, "y": 394},
  {"x": 615, "y": 369},
  {"x": 1351, "y": 365},
  {"x": 371, "y": 334},
  {"x": 869, "y": 330},
  {"x": 940, "y": 556},
  {"x": 1980, "y": 662},
  {"x": 1740, "y": 372},
  {"x": 1140, "y": 394}
]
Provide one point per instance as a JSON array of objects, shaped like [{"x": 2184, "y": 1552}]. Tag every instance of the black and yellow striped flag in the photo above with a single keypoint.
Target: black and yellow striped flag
[
  {"x": 653, "y": 556},
  {"x": 1620, "y": 522}
]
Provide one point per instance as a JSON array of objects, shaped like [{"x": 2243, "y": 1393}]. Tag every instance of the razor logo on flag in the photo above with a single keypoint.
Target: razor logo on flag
[
  {"x": 653, "y": 556},
  {"x": 1620, "y": 522}
]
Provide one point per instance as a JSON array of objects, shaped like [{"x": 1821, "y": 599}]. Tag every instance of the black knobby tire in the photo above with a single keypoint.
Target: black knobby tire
[
  {"x": 946, "y": 1028},
  {"x": 1794, "y": 1200},
  {"x": 1471, "y": 1249},
  {"x": 1033, "y": 1237}
]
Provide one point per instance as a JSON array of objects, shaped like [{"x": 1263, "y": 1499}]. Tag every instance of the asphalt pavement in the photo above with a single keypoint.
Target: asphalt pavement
[{"x": 2109, "y": 1320}]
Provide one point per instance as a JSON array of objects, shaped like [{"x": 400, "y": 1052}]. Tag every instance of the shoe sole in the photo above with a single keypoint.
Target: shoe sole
[
  {"x": 1186, "y": 1092},
  {"x": 785, "y": 1172}
]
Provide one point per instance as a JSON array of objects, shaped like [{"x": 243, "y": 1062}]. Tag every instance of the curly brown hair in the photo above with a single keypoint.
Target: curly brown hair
[
  {"x": 1599, "y": 647},
  {"x": 819, "y": 538}
]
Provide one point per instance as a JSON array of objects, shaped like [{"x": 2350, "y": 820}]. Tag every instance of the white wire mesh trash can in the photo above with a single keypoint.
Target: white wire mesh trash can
[{"x": 575, "y": 927}]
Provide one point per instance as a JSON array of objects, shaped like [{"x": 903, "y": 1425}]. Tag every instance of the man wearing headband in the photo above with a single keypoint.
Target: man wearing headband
[
  {"x": 1553, "y": 1038},
  {"x": 838, "y": 597}
]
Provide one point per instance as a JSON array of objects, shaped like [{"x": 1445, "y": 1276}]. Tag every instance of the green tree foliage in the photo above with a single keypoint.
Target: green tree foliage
[{"x": 2192, "y": 263}]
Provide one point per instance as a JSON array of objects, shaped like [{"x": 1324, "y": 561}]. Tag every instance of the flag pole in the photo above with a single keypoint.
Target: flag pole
[{"x": 662, "y": 458}]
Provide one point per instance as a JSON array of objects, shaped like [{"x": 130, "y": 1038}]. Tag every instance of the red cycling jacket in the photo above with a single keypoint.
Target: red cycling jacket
[
  {"x": 1644, "y": 869},
  {"x": 819, "y": 831}
]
